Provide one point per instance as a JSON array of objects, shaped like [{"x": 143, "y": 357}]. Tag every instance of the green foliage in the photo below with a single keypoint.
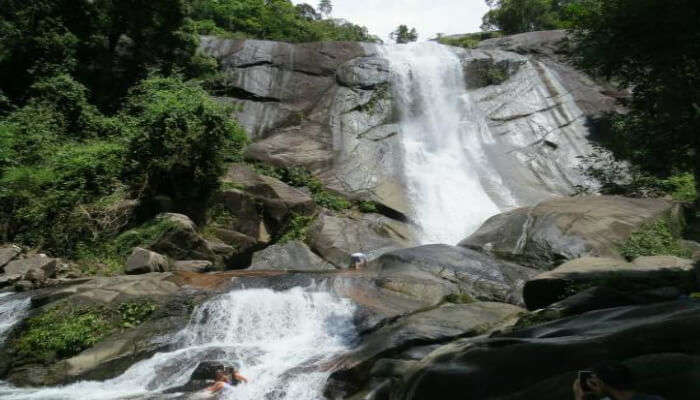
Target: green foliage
[
  {"x": 66, "y": 329},
  {"x": 62, "y": 331},
  {"x": 297, "y": 229},
  {"x": 367, "y": 206},
  {"x": 273, "y": 20},
  {"x": 515, "y": 16},
  {"x": 654, "y": 238},
  {"x": 108, "y": 45},
  {"x": 134, "y": 313},
  {"x": 622, "y": 40},
  {"x": 39, "y": 200},
  {"x": 403, "y": 34},
  {"x": 182, "y": 139},
  {"x": 469, "y": 41},
  {"x": 621, "y": 178},
  {"x": 301, "y": 177}
]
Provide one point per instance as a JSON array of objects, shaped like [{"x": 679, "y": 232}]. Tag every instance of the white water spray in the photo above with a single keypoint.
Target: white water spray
[
  {"x": 442, "y": 133},
  {"x": 280, "y": 341}
]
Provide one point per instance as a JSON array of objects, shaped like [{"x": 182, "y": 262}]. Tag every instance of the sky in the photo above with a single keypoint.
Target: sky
[{"x": 429, "y": 17}]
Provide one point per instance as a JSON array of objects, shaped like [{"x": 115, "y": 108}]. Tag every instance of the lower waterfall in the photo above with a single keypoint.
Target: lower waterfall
[
  {"x": 442, "y": 133},
  {"x": 281, "y": 342}
]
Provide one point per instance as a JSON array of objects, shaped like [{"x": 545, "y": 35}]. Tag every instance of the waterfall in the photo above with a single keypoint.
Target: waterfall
[
  {"x": 279, "y": 340},
  {"x": 443, "y": 134},
  {"x": 13, "y": 307}
]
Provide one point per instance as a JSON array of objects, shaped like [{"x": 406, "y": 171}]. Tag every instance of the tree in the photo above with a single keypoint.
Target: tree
[
  {"x": 403, "y": 35},
  {"x": 325, "y": 7},
  {"x": 515, "y": 16},
  {"x": 653, "y": 48},
  {"x": 306, "y": 11}
]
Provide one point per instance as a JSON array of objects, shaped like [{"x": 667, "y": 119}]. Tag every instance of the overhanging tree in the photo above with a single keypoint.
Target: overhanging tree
[{"x": 652, "y": 47}]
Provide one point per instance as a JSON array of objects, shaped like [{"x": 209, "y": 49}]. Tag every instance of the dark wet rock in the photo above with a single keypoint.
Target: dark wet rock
[
  {"x": 563, "y": 229},
  {"x": 293, "y": 255},
  {"x": 437, "y": 325},
  {"x": 541, "y": 362},
  {"x": 649, "y": 277}
]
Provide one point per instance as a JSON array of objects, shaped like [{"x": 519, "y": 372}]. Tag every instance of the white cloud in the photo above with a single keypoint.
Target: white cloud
[{"x": 428, "y": 16}]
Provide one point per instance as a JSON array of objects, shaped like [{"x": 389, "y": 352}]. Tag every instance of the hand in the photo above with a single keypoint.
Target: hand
[
  {"x": 596, "y": 385},
  {"x": 578, "y": 390}
]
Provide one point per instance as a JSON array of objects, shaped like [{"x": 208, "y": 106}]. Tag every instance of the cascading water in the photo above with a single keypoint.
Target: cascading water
[
  {"x": 279, "y": 340},
  {"x": 13, "y": 307},
  {"x": 442, "y": 133}
]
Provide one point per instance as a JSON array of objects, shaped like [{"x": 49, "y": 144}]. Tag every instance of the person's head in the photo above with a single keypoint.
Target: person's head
[
  {"x": 612, "y": 375},
  {"x": 220, "y": 376}
]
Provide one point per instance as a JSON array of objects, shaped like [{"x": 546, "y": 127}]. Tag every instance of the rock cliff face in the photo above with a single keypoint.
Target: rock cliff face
[{"x": 329, "y": 107}]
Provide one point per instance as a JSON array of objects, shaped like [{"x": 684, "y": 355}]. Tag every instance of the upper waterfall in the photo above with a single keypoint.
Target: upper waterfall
[{"x": 449, "y": 183}]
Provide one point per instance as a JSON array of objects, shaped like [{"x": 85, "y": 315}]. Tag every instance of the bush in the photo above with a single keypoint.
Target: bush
[
  {"x": 181, "y": 140},
  {"x": 62, "y": 331},
  {"x": 653, "y": 239},
  {"x": 297, "y": 229},
  {"x": 39, "y": 200}
]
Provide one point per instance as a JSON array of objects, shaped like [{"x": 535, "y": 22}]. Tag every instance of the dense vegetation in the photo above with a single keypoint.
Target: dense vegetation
[
  {"x": 103, "y": 122},
  {"x": 517, "y": 16},
  {"x": 273, "y": 20}
]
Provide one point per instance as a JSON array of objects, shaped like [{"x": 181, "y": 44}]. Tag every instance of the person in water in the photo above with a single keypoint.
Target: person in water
[
  {"x": 237, "y": 378},
  {"x": 220, "y": 382},
  {"x": 358, "y": 261},
  {"x": 612, "y": 379}
]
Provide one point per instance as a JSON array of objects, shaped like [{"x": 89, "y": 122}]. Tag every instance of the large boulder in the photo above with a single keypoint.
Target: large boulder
[
  {"x": 142, "y": 261},
  {"x": 555, "y": 231},
  {"x": 643, "y": 277},
  {"x": 261, "y": 203},
  {"x": 182, "y": 241},
  {"x": 293, "y": 255},
  {"x": 434, "y": 326},
  {"x": 32, "y": 272},
  {"x": 7, "y": 254},
  {"x": 659, "y": 342},
  {"x": 336, "y": 237},
  {"x": 441, "y": 270}
]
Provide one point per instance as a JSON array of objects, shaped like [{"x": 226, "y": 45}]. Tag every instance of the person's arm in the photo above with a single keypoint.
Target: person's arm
[
  {"x": 578, "y": 391},
  {"x": 240, "y": 377},
  {"x": 216, "y": 387}
]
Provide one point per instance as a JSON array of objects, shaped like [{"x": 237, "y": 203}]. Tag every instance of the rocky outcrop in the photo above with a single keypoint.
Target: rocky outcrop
[
  {"x": 436, "y": 271},
  {"x": 424, "y": 328},
  {"x": 182, "y": 241},
  {"x": 114, "y": 354},
  {"x": 329, "y": 107},
  {"x": 659, "y": 342},
  {"x": 293, "y": 255},
  {"x": 552, "y": 232},
  {"x": 651, "y": 277},
  {"x": 336, "y": 237},
  {"x": 262, "y": 204}
]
